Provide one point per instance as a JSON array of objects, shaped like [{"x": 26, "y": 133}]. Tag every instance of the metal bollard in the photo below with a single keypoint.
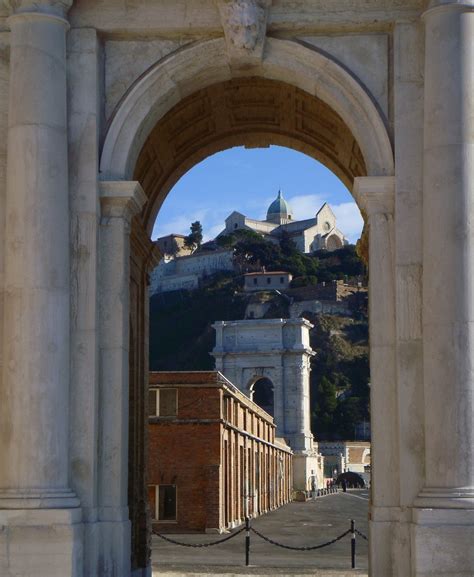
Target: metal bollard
[
  {"x": 353, "y": 544},
  {"x": 247, "y": 541}
]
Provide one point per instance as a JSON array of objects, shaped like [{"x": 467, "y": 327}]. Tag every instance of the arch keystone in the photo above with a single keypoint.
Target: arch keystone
[{"x": 245, "y": 27}]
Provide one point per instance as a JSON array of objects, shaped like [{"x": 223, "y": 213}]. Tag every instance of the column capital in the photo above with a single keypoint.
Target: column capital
[
  {"x": 53, "y": 7},
  {"x": 121, "y": 199},
  {"x": 375, "y": 194},
  {"x": 434, "y": 6}
]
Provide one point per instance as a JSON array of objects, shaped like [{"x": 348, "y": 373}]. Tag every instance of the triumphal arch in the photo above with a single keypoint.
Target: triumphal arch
[
  {"x": 104, "y": 104},
  {"x": 277, "y": 351}
]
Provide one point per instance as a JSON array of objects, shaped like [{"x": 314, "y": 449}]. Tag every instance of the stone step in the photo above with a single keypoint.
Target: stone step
[{"x": 204, "y": 571}]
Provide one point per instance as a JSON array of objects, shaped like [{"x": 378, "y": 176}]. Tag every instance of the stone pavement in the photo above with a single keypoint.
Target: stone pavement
[{"x": 296, "y": 524}]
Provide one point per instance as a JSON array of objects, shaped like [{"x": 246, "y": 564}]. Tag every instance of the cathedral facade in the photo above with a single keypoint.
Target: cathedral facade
[{"x": 309, "y": 235}]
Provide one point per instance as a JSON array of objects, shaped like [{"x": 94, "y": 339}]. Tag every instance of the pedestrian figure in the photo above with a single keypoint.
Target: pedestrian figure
[
  {"x": 344, "y": 485},
  {"x": 313, "y": 487}
]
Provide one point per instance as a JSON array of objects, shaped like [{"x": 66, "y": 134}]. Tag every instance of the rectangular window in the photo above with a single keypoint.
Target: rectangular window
[
  {"x": 269, "y": 280},
  {"x": 168, "y": 401},
  {"x": 255, "y": 281},
  {"x": 167, "y": 503},
  {"x": 163, "y": 402},
  {"x": 282, "y": 280},
  {"x": 153, "y": 402}
]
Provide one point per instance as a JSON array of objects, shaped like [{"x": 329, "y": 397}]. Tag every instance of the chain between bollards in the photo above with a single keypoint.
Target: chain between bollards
[
  {"x": 247, "y": 541},
  {"x": 353, "y": 544}
]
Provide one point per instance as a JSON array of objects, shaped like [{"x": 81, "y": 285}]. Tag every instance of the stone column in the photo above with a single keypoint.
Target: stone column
[
  {"x": 278, "y": 399},
  {"x": 408, "y": 90},
  {"x": 375, "y": 196},
  {"x": 37, "y": 506},
  {"x": 34, "y": 408},
  {"x": 445, "y": 517},
  {"x": 83, "y": 135},
  {"x": 119, "y": 202}
]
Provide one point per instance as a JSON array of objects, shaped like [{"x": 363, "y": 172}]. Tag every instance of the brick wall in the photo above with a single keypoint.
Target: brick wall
[
  {"x": 219, "y": 452},
  {"x": 183, "y": 454}
]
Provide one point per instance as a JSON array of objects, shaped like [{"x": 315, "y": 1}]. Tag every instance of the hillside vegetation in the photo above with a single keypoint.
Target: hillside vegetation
[{"x": 181, "y": 335}]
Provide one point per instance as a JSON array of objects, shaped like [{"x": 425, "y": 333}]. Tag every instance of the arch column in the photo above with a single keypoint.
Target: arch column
[
  {"x": 120, "y": 201},
  {"x": 376, "y": 197},
  {"x": 445, "y": 515},
  {"x": 37, "y": 505}
]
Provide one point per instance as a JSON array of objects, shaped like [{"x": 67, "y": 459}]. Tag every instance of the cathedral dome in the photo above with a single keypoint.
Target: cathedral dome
[{"x": 279, "y": 209}]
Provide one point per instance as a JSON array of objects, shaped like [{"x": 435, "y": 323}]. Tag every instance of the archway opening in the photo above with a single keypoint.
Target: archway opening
[
  {"x": 253, "y": 112},
  {"x": 262, "y": 393}
]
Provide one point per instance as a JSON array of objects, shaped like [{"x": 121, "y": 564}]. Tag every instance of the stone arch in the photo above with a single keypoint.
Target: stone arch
[
  {"x": 262, "y": 392},
  {"x": 330, "y": 117},
  {"x": 313, "y": 78},
  {"x": 333, "y": 242}
]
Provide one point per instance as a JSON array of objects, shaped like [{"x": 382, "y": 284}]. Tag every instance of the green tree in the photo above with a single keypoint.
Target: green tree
[
  {"x": 257, "y": 251},
  {"x": 326, "y": 404},
  {"x": 348, "y": 414},
  {"x": 226, "y": 240},
  {"x": 194, "y": 239},
  {"x": 287, "y": 245}
]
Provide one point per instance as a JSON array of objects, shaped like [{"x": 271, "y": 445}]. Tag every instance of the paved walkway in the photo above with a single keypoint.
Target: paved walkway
[{"x": 296, "y": 524}]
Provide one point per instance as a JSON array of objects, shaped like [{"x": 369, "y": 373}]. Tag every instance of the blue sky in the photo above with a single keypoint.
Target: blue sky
[{"x": 248, "y": 181}]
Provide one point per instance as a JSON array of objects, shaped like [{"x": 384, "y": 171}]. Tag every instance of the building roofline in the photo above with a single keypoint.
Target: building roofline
[
  {"x": 210, "y": 379},
  {"x": 270, "y": 272},
  {"x": 172, "y": 234}
]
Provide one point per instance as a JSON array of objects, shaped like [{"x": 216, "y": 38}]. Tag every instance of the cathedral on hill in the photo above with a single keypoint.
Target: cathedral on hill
[
  {"x": 181, "y": 268},
  {"x": 309, "y": 235}
]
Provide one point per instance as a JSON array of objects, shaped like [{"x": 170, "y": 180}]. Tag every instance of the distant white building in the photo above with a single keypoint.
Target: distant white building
[
  {"x": 185, "y": 272},
  {"x": 343, "y": 456},
  {"x": 309, "y": 235},
  {"x": 181, "y": 270},
  {"x": 259, "y": 281}
]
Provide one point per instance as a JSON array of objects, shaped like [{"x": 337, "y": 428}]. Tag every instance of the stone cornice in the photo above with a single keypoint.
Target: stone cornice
[
  {"x": 375, "y": 194},
  {"x": 121, "y": 199},
  {"x": 264, "y": 323},
  {"x": 53, "y": 7},
  {"x": 220, "y": 353}
]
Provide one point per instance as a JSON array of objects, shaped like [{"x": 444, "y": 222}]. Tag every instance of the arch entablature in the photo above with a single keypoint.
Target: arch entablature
[{"x": 297, "y": 97}]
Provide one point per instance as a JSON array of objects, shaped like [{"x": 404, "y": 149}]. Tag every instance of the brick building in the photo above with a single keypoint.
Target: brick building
[{"x": 213, "y": 457}]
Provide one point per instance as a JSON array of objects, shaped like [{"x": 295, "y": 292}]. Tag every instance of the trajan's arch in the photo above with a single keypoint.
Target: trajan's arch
[
  {"x": 274, "y": 353},
  {"x": 104, "y": 105}
]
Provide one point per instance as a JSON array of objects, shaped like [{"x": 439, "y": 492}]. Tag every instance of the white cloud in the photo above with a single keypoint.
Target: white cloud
[
  {"x": 305, "y": 206},
  {"x": 349, "y": 220},
  {"x": 212, "y": 221}
]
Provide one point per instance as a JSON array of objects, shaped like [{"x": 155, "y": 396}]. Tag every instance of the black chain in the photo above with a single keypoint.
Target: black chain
[
  {"x": 299, "y": 548},
  {"x": 198, "y": 545},
  {"x": 361, "y": 535}
]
